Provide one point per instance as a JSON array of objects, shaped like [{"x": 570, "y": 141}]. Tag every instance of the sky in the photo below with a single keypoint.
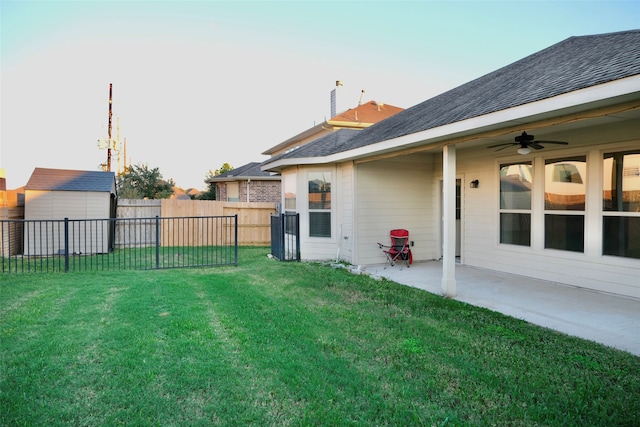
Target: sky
[{"x": 197, "y": 84}]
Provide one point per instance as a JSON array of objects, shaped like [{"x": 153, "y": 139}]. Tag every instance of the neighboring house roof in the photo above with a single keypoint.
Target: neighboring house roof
[
  {"x": 573, "y": 64},
  {"x": 365, "y": 115},
  {"x": 360, "y": 117},
  {"x": 71, "y": 180},
  {"x": 248, "y": 171},
  {"x": 323, "y": 146}
]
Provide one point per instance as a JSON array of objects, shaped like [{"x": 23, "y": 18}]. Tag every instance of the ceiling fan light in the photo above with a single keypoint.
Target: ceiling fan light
[{"x": 524, "y": 150}]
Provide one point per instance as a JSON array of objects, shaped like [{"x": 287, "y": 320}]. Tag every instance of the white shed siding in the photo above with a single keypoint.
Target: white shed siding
[
  {"x": 395, "y": 193},
  {"x": 48, "y": 238}
]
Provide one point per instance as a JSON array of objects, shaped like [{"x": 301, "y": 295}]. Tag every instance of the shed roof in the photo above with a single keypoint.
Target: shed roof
[
  {"x": 576, "y": 63},
  {"x": 71, "y": 180}
]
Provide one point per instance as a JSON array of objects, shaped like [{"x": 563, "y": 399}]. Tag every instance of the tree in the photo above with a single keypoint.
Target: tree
[
  {"x": 210, "y": 194},
  {"x": 226, "y": 167},
  {"x": 140, "y": 182}
]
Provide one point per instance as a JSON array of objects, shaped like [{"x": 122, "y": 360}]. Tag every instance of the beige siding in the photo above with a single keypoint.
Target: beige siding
[
  {"x": 396, "y": 193},
  {"x": 345, "y": 212},
  {"x": 318, "y": 248},
  {"x": 47, "y": 238},
  {"x": 481, "y": 221}
]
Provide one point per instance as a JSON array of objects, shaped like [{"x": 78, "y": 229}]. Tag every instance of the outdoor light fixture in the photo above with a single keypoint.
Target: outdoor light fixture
[
  {"x": 524, "y": 150},
  {"x": 475, "y": 183}
]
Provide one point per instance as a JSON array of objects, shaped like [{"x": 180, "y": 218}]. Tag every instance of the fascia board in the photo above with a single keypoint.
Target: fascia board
[
  {"x": 299, "y": 137},
  {"x": 358, "y": 125}
]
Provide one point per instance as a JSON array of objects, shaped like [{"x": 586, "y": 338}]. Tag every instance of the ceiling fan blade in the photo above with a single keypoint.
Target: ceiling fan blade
[
  {"x": 551, "y": 142},
  {"x": 504, "y": 144}
]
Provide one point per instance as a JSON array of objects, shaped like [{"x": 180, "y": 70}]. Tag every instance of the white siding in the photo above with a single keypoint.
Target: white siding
[
  {"x": 47, "y": 238},
  {"x": 345, "y": 211},
  {"x": 395, "y": 193},
  {"x": 481, "y": 221}
]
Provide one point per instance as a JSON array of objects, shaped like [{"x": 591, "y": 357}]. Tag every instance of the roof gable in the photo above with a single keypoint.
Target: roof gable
[
  {"x": 573, "y": 64},
  {"x": 71, "y": 180}
]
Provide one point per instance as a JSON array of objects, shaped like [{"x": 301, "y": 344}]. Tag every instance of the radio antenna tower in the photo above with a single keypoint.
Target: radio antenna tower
[{"x": 109, "y": 134}]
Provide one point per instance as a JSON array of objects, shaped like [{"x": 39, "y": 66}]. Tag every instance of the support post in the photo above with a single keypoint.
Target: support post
[
  {"x": 66, "y": 245},
  {"x": 157, "y": 242},
  {"x": 449, "y": 221}
]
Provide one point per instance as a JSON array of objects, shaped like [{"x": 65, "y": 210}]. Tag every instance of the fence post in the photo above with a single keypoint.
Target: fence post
[
  {"x": 283, "y": 232},
  {"x": 297, "y": 237},
  {"x": 157, "y": 242},
  {"x": 66, "y": 245},
  {"x": 236, "y": 240}
]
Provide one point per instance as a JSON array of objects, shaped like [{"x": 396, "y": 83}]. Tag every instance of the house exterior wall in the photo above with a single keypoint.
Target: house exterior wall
[
  {"x": 374, "y": 196},
  {"x": 251, "y": 191},
  {"x": 589, "y": 269},
  {"x": 346, "y": 211},
  {"x": 318, "y": 248},
  {"x": 396, "y": 193},
  {"x": 56, "y": 205}
]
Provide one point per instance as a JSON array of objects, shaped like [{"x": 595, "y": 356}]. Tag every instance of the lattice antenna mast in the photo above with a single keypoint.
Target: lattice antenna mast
[{"x": 109, "y": 134}]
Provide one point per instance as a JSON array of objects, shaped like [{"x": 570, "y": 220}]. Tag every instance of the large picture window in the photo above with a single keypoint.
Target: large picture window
[
  {"x": 621, "y": 204},
  {"x": 564, "y": 203},
  {"x": 515, "y": 203},
  {"x": 320, "y": 204}
]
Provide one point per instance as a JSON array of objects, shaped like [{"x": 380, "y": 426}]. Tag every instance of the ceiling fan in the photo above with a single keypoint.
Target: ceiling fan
[{"x": 526, "y": 143}]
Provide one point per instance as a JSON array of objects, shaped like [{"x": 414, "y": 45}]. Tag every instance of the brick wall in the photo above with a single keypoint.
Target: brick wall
[{"x": 259, "y": 191}]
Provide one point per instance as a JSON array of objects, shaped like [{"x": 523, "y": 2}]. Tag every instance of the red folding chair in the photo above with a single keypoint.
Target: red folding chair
[{"x": 399, "y": 250}]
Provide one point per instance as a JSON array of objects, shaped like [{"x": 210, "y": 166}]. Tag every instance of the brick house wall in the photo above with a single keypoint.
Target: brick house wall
[{"x": 259, "y": 191}]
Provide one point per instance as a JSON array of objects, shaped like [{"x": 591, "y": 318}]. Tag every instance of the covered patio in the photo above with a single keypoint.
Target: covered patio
[{"x": 607, "y": 319}]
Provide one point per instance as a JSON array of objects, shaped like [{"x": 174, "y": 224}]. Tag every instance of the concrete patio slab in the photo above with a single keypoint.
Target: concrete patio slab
[{"x": 604, "y": 318}]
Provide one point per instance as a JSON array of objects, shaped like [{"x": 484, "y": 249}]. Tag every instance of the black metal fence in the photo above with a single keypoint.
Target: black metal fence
[
  {"x": 117, "y": 243},
  {"x": 285, "y": 237}
]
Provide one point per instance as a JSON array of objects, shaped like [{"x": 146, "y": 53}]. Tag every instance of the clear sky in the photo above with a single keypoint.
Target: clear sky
[{"x": 202, "y": 83}]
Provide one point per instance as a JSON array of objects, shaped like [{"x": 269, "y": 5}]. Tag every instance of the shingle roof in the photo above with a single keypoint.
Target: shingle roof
[
  {"x": 573, "y": 64},
  {"x": 369, "y": 112},
  {"x": 250, "y": 170},
  {"x": 331, "y": 143},
  {"x": 71, "y": 180}
]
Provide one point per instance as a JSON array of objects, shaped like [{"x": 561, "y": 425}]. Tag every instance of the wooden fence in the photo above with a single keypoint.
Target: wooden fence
[{"x": 253, "y": 217}]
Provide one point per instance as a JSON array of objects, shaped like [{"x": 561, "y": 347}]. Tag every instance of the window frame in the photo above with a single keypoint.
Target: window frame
[
  {"x": 522, "y": 212},
  {"x": 549, "y": 213},
  {"x": 321, "y": 210},
  {"x": 607, "y": 214}
]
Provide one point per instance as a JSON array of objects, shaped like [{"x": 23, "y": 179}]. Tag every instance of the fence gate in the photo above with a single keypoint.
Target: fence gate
[{"x": 285, "y": 237}]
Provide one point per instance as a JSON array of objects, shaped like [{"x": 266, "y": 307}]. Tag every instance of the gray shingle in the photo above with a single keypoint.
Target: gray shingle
[
  {"x": 249, "y": 170},
  {"x": 71, "y": 180},
  {"x": 573, "y": 64}
]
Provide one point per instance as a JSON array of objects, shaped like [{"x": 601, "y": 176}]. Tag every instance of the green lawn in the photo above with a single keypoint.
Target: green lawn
[{"x": 269, "y": 343}]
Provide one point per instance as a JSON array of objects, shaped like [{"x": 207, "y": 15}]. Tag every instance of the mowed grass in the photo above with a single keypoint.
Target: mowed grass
[{"x": 269, "y": 343}]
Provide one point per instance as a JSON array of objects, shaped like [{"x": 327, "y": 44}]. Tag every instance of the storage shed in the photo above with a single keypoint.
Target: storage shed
[{"x": 87, "y": 198}]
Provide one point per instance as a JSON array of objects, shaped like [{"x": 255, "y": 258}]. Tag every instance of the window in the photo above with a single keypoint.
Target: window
[
  {"x": 289, "y": 184},
  {"x": 515, "y": 203},
  {"x": 232, "y": 192},
  {"x": 621, "y": 204},
  {"x": 320, "y": 204},
  {"x": 289, "y": 193},
  {"x": 564, "y": 203}
]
